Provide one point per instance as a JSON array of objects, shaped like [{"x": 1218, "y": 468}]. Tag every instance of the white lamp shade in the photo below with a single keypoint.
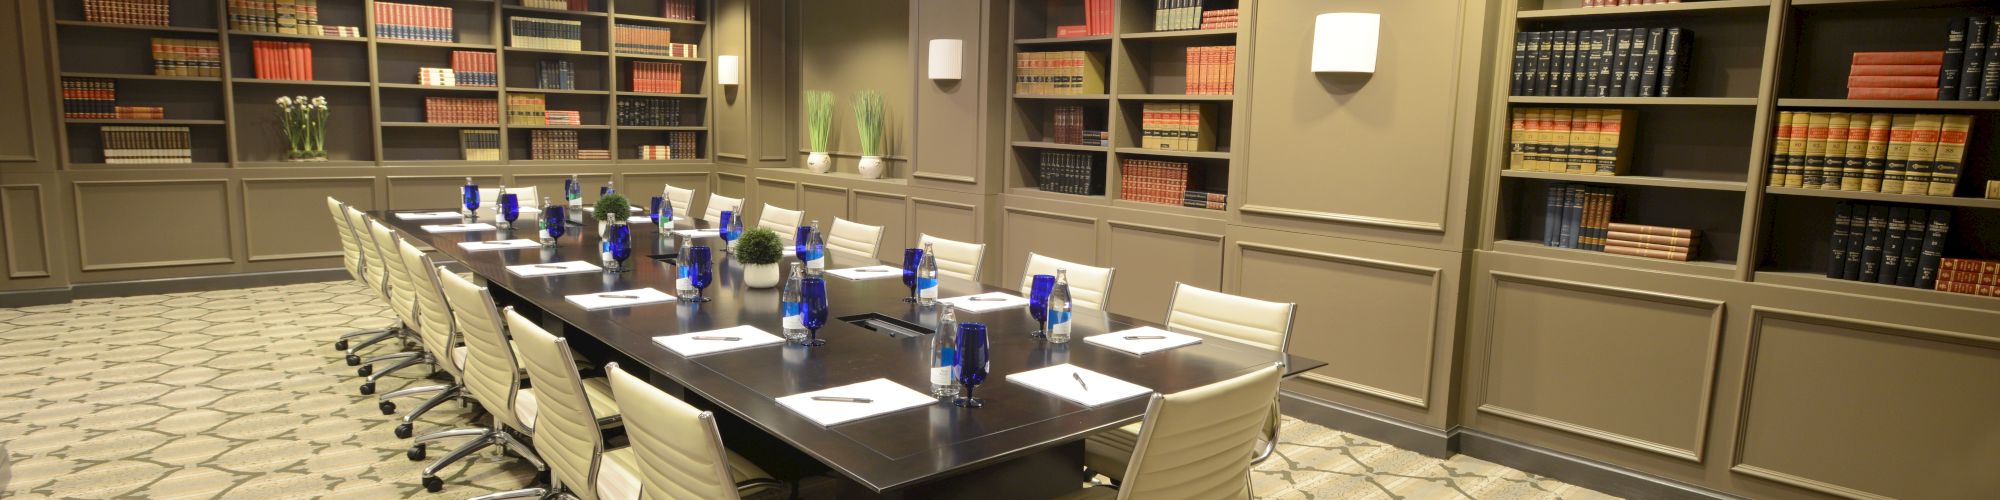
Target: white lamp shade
[
  {"x": 1345, "y": 42},
  {"x": 947, "y": 54},
  {"x": 728, "y": 70}
]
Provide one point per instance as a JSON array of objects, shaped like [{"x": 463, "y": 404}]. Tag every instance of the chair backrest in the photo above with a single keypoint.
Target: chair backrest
[
  {"x": 717, "y": 203},
  {"x": 402, "y": 296},
  {"x": 679, "y": 448},
  {"x": 434, "y": 321},
  {"x": 529, "y": 196},
  {"x": 566, "y": 432},
  {"x": 1197, "y": 443},
  {"x": 1242, "y": 319},
  {"x": 492, "y": 375},
  {"x": 371, "y": 255},
  {"x": 781, "y": 221},
  {"x": 681, "y": 199},
  {"x": 956, "y": 259},
  {"x": 350, "y": 255},
  {"x": 854, "y": 237},
  {"x": 1089, "y": 286}
]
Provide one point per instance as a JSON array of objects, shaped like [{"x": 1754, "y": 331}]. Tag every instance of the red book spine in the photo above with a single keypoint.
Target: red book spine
[
  {"x": 1906, "y": 94},
  {"x": 1930, "y": 70},
  {"x": 1893, "y": 82},
  {"x": 1918, "y": 57}
]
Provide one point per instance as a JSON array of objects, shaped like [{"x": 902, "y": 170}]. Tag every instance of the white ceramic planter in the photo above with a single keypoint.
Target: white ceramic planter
[
  {"x": 872, "y": 167},
  {"x": 760, "y": 275},
  {"x": 819, "y": 162}
]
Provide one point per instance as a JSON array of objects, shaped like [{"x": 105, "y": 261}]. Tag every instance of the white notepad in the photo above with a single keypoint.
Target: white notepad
[
  {"x": 634, "y": 209},
  {"x": 622, "y": 298},
  {"x": 499, "y": 245},
  {"x": 460, "y": 228},
  {"x": 1095, "y": 390},
  {"x": 553, "y": 268},
  {"x": 699, "y": 233},
  {"x": 989, "y": 301},
  {"x": 428, "y": 215},
  {"x": 885, "y": 396},
  {"x": 714, "y": 341},
  {"x": 868, "y": 272},
  {"x": 1143, "y": 346},
  {"x": 639, "y": 219}
]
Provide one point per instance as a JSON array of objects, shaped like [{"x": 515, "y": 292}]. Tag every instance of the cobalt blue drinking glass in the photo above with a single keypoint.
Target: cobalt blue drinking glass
[
  {"x": 620, "y": 238},
  {"x": 974, "y": 356},
  {"x": 699, "y": 257},
  {"x": 470, "y": 196},
  {"x": 812, "y": 291},
  {"x": 911, "y": 257},
  {"x": 799, "y": 244},
  {"x": 728, "y": 236},
  {"x": 657, "y": 201},
  {"x": 557, "y": 221},
  {"x": 510, "y": 208},
  {"x": 1038, "y": 301}
]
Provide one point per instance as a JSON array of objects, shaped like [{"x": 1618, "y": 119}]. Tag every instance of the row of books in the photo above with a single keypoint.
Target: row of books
[
  {"x": 474, "y": 68},
  {"x": 1067, "y": 126},
  {"x": 90, "y": 98},
  {"x": 297, "y": 17},
  {"x": 1206, "y": 200},
  {"x": 1969, "y": 276},
  {"x": 552, "y": 144},
  {"x": 183, "y": 57},
  {"x": 1175, "y": 15},
  {"x": 650, "y": 112},
  {"x": 684, "y": 145},
  {"x": 1096, "y": 19},
  {"x": 1069, "y": 173},
  {"x": 555, "y": 74},
  {"x": 1218, "y": 19},
  {"x": 1971, "y": 61},
  {"x": 1624, "y": 3},
  {"x": 143, "y": 145},
  {"x": 655, "y": 76},
  {"x": 679, "y": 9},
  {"x": 1579, "y": 216},
  {"x": 650, "y": 40},
  {"x": 1152, "y": 181},
  {"x": 403, "y": 21},
  {"x": 1916, "y": 154},
  {"x": 462, "y": 110},
  {"x": 1177, "y": 126},
  {"x": 575, "y": 5},
  {"x": 1910, "y": 75},
  {"x": 1630, "y": 62},
  {"x": 656, "y": 152},
  {"x": 479, "y": 145},
  {"x": 593, "y": 154},
  {"x": 527, "y": 109},
  {"x": 563, "y": 117},
  {"x": 1889, "y": 245},
  {"x": 277, "y": 60},
  {"x": 539, "y": 33},
  {"x": 437, "y": 77},
  {"x": 1571, "y": 140},
  {"x": 1211, "y": 70},
  {"x": 146, "y": 12},
  {"x": 1069, "y": 72}
]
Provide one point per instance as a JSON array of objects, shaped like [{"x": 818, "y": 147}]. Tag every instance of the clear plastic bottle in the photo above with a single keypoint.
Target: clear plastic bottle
[
  {"x": 795, "y": 308},
  {"x": 542, "y": 224},
  {"x": 815, "y": 257},
  {"x": 1059, "y": 309},
  {"x": 927, "y": 278},
  {"x": 499, "y": 219},
  {"x": 944, "y": 355},
  {"x": 683, "y": 275}
]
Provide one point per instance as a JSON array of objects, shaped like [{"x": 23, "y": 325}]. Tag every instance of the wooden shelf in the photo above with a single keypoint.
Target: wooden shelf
[
  {"x": 1629, "y": 180},
  {"x": 116, "y": 121},
  {"x": 1214, "y": 155},
  {"x": 553, "y": 12},
  {"x": 531, "y": 90},
  {"x": 1636, "y": 101},
  {"x": 662, "y": 94},
  {"x": 628, "y": 55},
  {"x": 1713, "y": 269},
  {"x": 544, "y": 127},
  {"x": 1154, "y": 35},
  {"x": 597, "y": 53},
  {"x": 1058, "y": 145},
  {"x": 135, "y": 27},
  {"x": 297, "y": 164},
  {"x": 148, "y": 166},
  {"x": 443, "y": 88},
  {"x": 1169, "y": 209},
  {"x": 294, "y": 36},
  {"x": 652, "y": 19},
  {"x": 687, "y": 128},
  {"x": 1073, "y": 198},
  {"x": 1063, "y": 41},
  {"x": 307, "y": 83},
  {"x": 1175, "y": 97},
  {"x": 1821, "y": 282},
  {"x": 1947, "y": 201},
  {"x": 137, "y": 76},
  {"x": 1057, "y": 97},
  {"x": 1871, "y": 104},
  {"x": 439, "y": 125},
  {"x": 1683, "y": 9}
]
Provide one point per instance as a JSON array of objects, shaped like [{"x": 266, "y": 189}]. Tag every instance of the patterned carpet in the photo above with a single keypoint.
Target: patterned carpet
[{"x": 237, "y": 394}]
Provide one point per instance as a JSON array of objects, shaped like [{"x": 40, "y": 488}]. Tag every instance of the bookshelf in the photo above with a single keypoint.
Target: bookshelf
[
  {"x": 1141, "y": 66},
  {"x": 1702, "y": 158},
  {"x": 371, "y": 83}
]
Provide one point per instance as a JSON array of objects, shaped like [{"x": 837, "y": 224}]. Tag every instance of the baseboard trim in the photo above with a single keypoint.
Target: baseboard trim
[
  {"x": 36, "y": 297},
  {"x": 204, "y": 283},
  {"x": 1602, "y": 477},
  {"x": 1430, "y": 442}
]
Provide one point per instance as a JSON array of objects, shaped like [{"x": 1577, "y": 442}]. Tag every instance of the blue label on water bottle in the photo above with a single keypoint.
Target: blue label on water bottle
[
  {"x": 795, "y": 315},
  {"x": 948, "y": 357},
  {"x": 1058, "y": 317}
]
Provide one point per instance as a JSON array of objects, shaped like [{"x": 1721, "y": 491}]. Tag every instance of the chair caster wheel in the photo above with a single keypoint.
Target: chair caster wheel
[
  {"x": 404, "y": 431},
  {"x": 364, "y": 371},
  {"x": 433, "y": 484},
  {"x": 340, "y": 345},
  {"x": 416, "y": 452},
  {"x": 388, "y": 408},
  {"x": 367, "y": 389},
  {"x": 542, "y": 476},
  {"x": 353, "y": 360}
]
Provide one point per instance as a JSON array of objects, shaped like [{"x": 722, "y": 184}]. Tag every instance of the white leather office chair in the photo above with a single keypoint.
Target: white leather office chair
[
  {"x": 681, "y": 199},
  {"x": 854, "y": 237},
  {"x": 1197, "y": 443},
  {"x": 716, "y": 204},
  {"x": 565, "y": 416},
  {"x": 375, "y": 267},
  {"x": 350, "y": 257},
  {"x": 440, "y": 339},
  {"x": 1089, "y": 286},
  {"x": 1258, "y": 323},
  {"x": 784, "y": 222},
  {"x": 529, "y": 196},
  {"x": 956, "y": 259},
  {"x": 402, "y": 299},
  {"x": 678, "y": 450},
  {"x": 492, "y": 377}
]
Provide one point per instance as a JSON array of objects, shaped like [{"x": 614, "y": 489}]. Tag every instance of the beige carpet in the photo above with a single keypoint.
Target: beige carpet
[{"x": 238, "y": 394}]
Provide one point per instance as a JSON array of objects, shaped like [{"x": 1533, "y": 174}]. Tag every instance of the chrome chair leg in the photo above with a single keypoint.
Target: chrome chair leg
[
  {"x": 354, "y": 351},
  {"x": 340, "y": 343},
  {"x": 368, "y": 387},
  {"x": 447, "y": 393},
  {"x": 475, "y": 431},
  {"x": 431, "y": 482},
  {"x": 389, "y": 407},
  {"x": 368, "y": 364},
  {"x": 520, "y": 493}
]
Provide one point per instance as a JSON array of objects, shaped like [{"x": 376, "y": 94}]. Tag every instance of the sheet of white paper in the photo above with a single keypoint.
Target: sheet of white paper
[
  {"x": 714, "y": 341},
  {"x": 639, "y": 219},
  {"x": 1095, "y": 389},
  {"x": 868, "y": 272},
  {"x": 460, "y": 228},
  {"x": 477, "y": 246},
  {"x": 1144, "y": 344},
  {"x": 428, "y": 215},
  {"x": 622, "y": 298},
  {"x": 989, "y": 301},
  {"x": 553, "y": 268},
  {"x": 699, "y": 233},
  {"x": 635, "y": 209},
  {"x": 886, "y": 397}
]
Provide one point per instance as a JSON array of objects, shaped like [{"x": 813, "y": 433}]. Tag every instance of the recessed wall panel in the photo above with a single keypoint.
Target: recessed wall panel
[
  {"x": 1151, "y": 260},
  {"x": 26, "y": 248},
  {"x": 888, "y": 211},
  {"x": 1065, "y": 237},
  {"x": 138, "y": 224},
  {"x": 287, "y": 218},
  {"x": 1373, "y": 321}
]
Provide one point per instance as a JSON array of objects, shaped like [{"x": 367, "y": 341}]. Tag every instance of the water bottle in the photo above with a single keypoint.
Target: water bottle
[
  {"x": 795, "y": 308},
  {"x": 1059, "y": 309},
  {"x": 927, "y": 278},
  {"x": 573, "y": 192},
  {"x": 683, "y": 276},
  {"x": 666, "y": 216},
  {"x": 735, "y": 231},
  {"x": 815, "y": 256},
  {"x": 542, "y": 223},
  {"x": 499, "y": 219},
  {"x": 944, "y": 355},
  {"x": 468, "y": 191}
]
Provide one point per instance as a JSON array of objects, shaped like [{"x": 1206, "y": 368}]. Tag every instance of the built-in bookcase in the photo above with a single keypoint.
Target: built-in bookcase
[
  {"x": 1141, "y": 66},
  {"x": 1701, "y": 159},
  {"x": 377, "y": 104}
]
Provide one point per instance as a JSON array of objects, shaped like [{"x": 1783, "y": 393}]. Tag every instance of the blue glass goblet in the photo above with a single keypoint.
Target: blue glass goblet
[
  {"x": 974, "y": 357},
  {"x": 618, "y": 242},
  {"x": 510, "y": 209},
  {"x": 911, "y": 257},
  {"x": 469, "y": 196},
  {"x": 655, "y": 212},
  {"x": 728, "y": 236},
  {"x": 799, "y": 244},
  {"x": 1038, "y": 301},
  {"x": 812, "y": 291},
  {"x": 699, "y": 257},
  {"x": 555, "y": 221}
]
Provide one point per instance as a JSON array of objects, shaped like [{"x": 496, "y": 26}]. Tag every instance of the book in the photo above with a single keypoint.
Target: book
[
  {"x": 680, "y": 9},
  {"x": 1901, "y": 131},
  {"x": 90, "y": 98},
  {"x": 1069, "y": 173},
  {"x": 1923, "y": 152},
  {"x": 140, "y": 12},
  {"x": 1978, "y": 31},
  {"x": 282, "y": 60},
  {"x": 542, "y": 33},
  {"x": 1950, "y": 160},
  {"x": 1673, "y": 70},
  {"x": 1815, "y": 160},
  {"x": 1904, "y": 57},
  {"x": 1954, "y": 59},
  {"x": 1832, "y": 169},
  {"x": 651, "y": 112},
  {"x": 1908, "y": 70},
  {"x": 479, "y": 145},
  {"x": 400, "y": 21},
  {"x": 131, "y": 145},
  {"x": 1154, "y": 181},
  {"x": 1781, "y": 150},
  {"x": 184, "y": 57},
  {"x": 1842, "y": 219},
  {"x": 1577, "y": 141},
  {"x": 649, "y": 40},
  {"x": 1801, "y": 125},
  {"x": 1989, "y": 79},
  {"x": 1552, "y": 220},
  {"x": 1894, "y": 82},
  {"x": 1880, "y": 127},
  {"x": 1073, "y": 72},
  {"x": 471, "y": 68},
  {"x": 545, "y": 144},
  {"x": 1649, "y": 69},
  {"x": 462, "y": 110},
  {"x": 1893, "y": 94},
  {"x": 1174, "y": 126},
  {"x": 655, "y": 77},
  {"x": 1855, "y": 160},
  {"x": 1910, "y": 251},
  {"x": 1872, "y": 241},
  {"x": 1892, "y": 246},
  {"x": 1931, "y": 256}
]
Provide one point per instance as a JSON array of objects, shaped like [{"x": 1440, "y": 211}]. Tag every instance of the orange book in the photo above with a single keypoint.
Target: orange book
[
  {"x": 1893, "y": 82},
  {"x": 1908, "y": 57},
  {"x": 1893, "y": 94},
  {"x": 1648, "y": 238},
  {"x": 1652, "y": 230},
  {"x": 1930, "y": 70}
]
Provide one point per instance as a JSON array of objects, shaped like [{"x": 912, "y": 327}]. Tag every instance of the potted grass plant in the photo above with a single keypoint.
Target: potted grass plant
[
  {"x": 868, "y": 123},
  {"x": 819, "y": 130},
  {"x": 759, "y": 250}
]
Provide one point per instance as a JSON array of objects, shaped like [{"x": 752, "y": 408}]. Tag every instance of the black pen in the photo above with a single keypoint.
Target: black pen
[
  {"x": 729, "y": 339},
  {"x": 617, "y": 296},
  {"x": 550, "y": 266},
  {"x": 987, "y": 299},
  {"x": 868, "y": 270},
  {"x": 838, "y": 399},
  {"x": 1144, "y": 337},
  {"x": 1079, "y": 380}
]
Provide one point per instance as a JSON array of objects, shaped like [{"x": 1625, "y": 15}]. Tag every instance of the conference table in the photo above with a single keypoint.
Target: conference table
[{"x": 1023, "y": 443}]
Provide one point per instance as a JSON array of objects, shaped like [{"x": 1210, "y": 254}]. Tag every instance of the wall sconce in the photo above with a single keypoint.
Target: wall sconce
[
  {"x": 1345, "y": 42},
  {"x": 947, "y": 54},
  {"x": 728, "y": 70}
]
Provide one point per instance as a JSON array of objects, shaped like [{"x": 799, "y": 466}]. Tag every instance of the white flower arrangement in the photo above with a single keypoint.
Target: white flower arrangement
[{"x": 304, "y": 123}]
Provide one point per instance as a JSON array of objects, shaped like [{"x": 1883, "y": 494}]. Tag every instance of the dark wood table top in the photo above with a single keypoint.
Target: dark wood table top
[{"x": 884, "y": 452}]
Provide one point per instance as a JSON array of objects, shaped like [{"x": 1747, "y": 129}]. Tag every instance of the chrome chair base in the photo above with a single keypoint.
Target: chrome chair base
[{"x": 484, "y": 437}]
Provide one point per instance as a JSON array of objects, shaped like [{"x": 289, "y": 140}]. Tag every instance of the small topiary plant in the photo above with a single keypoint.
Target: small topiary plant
[
  {"x": 759, "y": 246},
  {"x": 613, "y": 203}
]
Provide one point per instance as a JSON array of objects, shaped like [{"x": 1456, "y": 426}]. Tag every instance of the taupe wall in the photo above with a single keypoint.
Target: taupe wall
[{"x": 850, "y": 46}]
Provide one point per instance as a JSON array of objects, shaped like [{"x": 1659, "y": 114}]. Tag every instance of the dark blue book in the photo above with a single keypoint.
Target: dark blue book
[
  {"x": 1913, "y": 247},
  {"x": 1842, "y": 213},
  {"x": 1933, "y": 251},
  {"x": 1892, "y": 246}
]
